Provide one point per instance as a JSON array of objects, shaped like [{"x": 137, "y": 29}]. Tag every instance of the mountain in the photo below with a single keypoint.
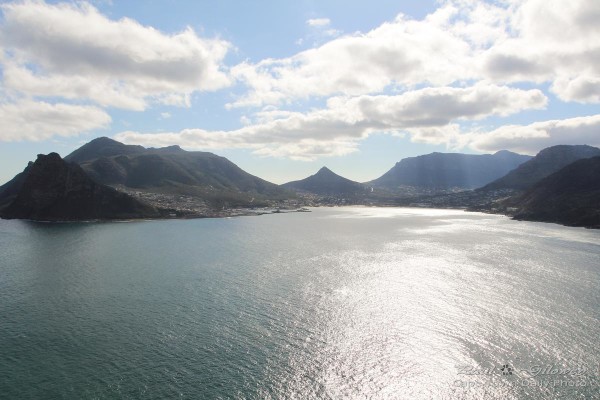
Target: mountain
[
  {"x": 326, "y": 182},
  {"x": 102, "y": 147},
  {"x": 546, "y": 162},
  {"x": 570, "y": 196},
  {"x": 449, "y": 170},
  {"x": 51, "y": 189},
  {"x": 171, "y": 170}
]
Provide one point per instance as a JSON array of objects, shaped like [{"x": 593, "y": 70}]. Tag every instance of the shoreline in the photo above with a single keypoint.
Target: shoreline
[
  {"x": 244, "y": 212},
  {"x": 236, "y": 213}
]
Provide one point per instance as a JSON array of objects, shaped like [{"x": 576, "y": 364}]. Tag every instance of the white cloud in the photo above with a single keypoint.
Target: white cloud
[
  {"x": 78, "y": 53},
  {"x": 510, "y": 41},
  {"x": 532, "y": 138},
  {"x": 421, "y": 78},
  {"x": 318, "y": 22},
  {"x": 550, "y": 40},
  {"x": 404, "y": 52},
  {"x": 449, "y": 135},
  {"x": 30, "y": 120},
  {"x": 336, "y": 130},
  {"x": 582, "y": 89},
  {"x": 332, "y": 32}
]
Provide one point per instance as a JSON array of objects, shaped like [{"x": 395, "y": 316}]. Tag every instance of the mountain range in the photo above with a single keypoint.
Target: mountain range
[
  {"x": 449, "y": 170},
  {"x": 172, "y": 170},
  {"x": 105, "y": 179},
  {"x": 545, "y": 163}
]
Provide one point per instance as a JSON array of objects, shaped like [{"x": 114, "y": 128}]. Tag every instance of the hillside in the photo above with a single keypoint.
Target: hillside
[
  {"x": 172, "y": 170},
  {"x": 51, "y": 189},
  {"x": 449, "y": 170},
  {"x": 545, "y": 163},
  {"x": 570, "y": 196}
]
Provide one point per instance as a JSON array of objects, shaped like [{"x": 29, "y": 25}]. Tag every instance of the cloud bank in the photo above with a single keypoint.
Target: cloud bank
[
  {"x": 427, "y": 79},
  {"x": 82, "y": 54},
  {"x": 426, "y": 114},
  {"x": 56, "y": 54},
  {"x": 36, "y": 120}
]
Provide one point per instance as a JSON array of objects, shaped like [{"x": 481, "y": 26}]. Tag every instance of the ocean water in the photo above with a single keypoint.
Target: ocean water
[{"x": 373, "y": 303}]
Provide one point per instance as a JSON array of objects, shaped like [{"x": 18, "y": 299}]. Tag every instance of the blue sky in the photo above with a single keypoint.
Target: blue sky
[{"x": 283, "y": 88}]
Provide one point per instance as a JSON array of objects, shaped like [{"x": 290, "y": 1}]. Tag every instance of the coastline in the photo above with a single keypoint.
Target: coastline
[
  {"x": 251, "y": 212},
  {"x": 233, "y": 213}
]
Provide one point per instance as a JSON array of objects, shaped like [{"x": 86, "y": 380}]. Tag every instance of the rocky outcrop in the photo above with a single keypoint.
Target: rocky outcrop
[{"x": 51, "y": 189}]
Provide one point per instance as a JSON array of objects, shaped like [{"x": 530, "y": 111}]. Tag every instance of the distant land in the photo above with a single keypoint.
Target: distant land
[
  {"x": 443, "y": 171},
  {"x": 106, "y": 179},
  {"x": 519, "y": 193}
]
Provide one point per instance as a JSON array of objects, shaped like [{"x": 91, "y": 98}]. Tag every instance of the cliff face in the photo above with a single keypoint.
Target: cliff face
[{"x": 50, "y": 189}]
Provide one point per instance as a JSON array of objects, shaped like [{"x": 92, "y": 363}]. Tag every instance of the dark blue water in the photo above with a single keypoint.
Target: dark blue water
[{"x": 337, "y": 303}]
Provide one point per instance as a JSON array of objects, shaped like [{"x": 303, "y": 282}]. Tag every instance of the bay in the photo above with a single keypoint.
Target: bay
[{"x": 349, "y": 302}]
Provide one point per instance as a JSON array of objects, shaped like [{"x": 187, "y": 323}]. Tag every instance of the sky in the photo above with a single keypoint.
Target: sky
[{"x": 282, "y": 88}]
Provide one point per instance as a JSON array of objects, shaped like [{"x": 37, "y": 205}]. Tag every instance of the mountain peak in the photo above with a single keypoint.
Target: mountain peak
[
  {"x": 325, "y": 170},
  {"x": 581, "y": 150},
  {"x": 49, "y": 157},
  {"x": 102, "y": 147},
  {"x": 326, "y": 182},
  {"x": 170, "y": 149},
  {"x": 102, "y": 140},
  {"x": 503, "y": 152}
]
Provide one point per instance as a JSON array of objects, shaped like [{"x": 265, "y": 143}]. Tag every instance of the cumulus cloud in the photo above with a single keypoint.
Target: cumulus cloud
[
  {"x": 551, "y": 40},
  {"x": 534, "y": 137},
  {"x": 336, "y": 129},
  {"x": 511, "y": 41},
  {"x": 75, "y": 52},
  {"x": 30, "y": 120},
  {"x": 404, "y": 52},
  {"x": 421, "y": 78},
  {"x": 583, "y": 89}
]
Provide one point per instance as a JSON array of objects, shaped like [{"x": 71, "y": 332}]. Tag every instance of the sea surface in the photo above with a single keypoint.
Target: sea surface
[{"x": 357, "y": 303}]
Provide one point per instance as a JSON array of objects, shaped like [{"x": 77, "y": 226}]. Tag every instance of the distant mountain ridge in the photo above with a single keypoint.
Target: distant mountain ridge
[
  {"x": 545, "y": 163},
  {"x": 112, "y": 180},
  {"x": 449, "y": 170},
  {"x": 326, "y": 182},
  {"x": 171, "y": 170},
  {"x": 51, "y": 189}
]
